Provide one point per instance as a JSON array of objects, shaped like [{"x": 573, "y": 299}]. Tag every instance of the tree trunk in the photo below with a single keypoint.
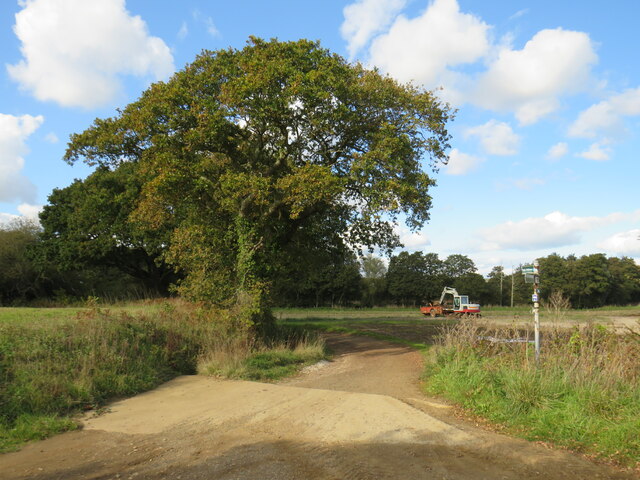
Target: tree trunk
[{"x": 252, "y": 290}]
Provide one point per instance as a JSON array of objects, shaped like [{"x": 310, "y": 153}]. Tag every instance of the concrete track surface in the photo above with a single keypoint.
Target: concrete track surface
[{"x": 361, "y": 416}]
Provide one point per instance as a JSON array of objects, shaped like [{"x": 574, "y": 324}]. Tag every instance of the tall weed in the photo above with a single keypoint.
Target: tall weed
[{"x": 583, "y": 394}]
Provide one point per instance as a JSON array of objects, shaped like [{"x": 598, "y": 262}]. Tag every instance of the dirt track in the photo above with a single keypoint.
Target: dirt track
[{"x": 359, "y": 417}]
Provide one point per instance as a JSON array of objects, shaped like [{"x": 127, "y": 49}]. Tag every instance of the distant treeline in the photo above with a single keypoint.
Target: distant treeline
[
  {"x": 588, "y": 281},
  {"x": 50, "y": 264}
]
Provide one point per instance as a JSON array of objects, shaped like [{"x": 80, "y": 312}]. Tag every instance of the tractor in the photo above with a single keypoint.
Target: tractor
[{"x": 460, "y": 307}]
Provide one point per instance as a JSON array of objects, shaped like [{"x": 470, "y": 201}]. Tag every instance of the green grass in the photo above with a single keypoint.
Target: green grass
[
  {"x": 27, "y": 428},
  {"x": 19, "y": 315},
  {"x": 602, "y": 314},
  {"x": 349, "y": 328},
  {"x": 584, "y": 394},
  {"x": 55, "y": 363},
  {"x": 520, "y": 314},
  {"x": 277, "y": 363},
  {"x": 64, "y": 314},
  {"x": 288, "y": 349},
  {"x": 56, "y": 366}
]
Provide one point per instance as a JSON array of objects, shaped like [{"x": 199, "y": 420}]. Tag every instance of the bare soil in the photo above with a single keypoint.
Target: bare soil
[{"x": 361, "y": 416}]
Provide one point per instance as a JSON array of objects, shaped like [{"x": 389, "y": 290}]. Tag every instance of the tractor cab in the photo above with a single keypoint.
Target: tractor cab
[{"x": 461, "y": 304}]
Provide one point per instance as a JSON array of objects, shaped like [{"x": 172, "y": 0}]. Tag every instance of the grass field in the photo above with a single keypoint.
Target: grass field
[
  {"x": 409, "y": 326},
  {"x": 63, "y": 314},
  {"x": 55, "y": 363}
]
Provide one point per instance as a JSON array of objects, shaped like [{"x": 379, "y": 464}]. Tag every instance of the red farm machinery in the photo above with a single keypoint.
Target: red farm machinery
[{"x": 459, "y": 307}]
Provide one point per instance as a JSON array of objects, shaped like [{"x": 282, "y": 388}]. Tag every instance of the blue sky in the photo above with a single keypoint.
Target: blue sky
[{"x": 545, "y": 144}]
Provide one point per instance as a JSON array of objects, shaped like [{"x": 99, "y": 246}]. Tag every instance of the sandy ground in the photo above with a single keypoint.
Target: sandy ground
[{"x": 361, "y": 416}]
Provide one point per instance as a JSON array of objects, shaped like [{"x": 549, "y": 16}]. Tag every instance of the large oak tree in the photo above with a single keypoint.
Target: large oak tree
[{"x": 245, "y": 150}]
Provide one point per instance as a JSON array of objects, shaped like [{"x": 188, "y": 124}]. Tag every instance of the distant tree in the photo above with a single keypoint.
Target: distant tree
[
  {"x": 521, "y": 291},
  {"x": 475, "y": 286},
  {"x": 498, "y": 289},
  {"x": 19, "y": 279},
  {"x": 457, "y": 265},
  {"x": 374, "y": 283},
  {"x": 373, "y": 267},
  {"x": 625, "y": 281},
  {"x": 555, "y": 275},
  {"x": 406, "y": 278},
  {"x": 317, "y": 270},
  {"x": 243, "y": 149},
  {"x": 592, "y": 281},
  {"x": 435, "y": 278},
  {"x": 87, "y": 224}
]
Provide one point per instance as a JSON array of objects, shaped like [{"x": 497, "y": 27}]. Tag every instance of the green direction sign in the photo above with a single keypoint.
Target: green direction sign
[{"x": 529, "y": 269}]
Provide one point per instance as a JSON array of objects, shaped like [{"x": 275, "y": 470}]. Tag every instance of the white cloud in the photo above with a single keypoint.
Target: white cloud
[
  {"x": 430, "y": 49},
  {"x": 423, "y": 48},
  {"x": 6, "y": 218},
  {"x": 412, "y": 241},
  {"x": 74, "y": 50},
  {"x": 528, "y": 183},
  {"x": 184, "y": 31},
  {"x": 364, "y": 19},
  {"x": 26, "y": 210},
  {"x": 558, "y": 150},
  {"x": 461, "y": 163},
  {"x": 207, "y": 21},
  {"x": 556, "y": 229},
  {"x": 496, "y": 138},
  {"x": 598, "y": 151},
  {"x": 30, "y": 211},
  {"x": 624, "y": 243},
  {"x": 519, "y": 14},
  {"x": 529, "y": 81},
  {"x": 211, "y": 27},
  {"x": 606, "y": 116},
  {"x": 51, "y": 137},
  {"x": 14, "y": 132}
]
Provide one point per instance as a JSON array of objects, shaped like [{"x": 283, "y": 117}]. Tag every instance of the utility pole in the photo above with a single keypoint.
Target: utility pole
[
  {"x": 501, "y": 277},
  {"x": 512, "y": 277}
]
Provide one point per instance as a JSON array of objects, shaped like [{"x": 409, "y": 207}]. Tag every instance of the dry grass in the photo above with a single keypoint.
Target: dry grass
[{"x": 270, "y": 360}]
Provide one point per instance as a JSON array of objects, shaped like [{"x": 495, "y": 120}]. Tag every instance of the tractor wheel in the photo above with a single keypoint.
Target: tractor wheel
[{"x": 433, "y": 313}]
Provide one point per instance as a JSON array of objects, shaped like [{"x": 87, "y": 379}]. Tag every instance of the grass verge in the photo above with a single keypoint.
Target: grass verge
[
  {"x": 52, "y": 369},
  {"x": 584, "y": 394},
  {"x": 282, "y": 353}
]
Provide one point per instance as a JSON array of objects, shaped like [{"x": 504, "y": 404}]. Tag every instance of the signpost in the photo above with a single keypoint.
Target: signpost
[{"x": 532, "y": 275}]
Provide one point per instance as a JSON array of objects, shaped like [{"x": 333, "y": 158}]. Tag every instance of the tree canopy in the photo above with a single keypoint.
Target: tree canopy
[
  {"x": 245, "y": 150},
  {"x": 87, "y": 224}
]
